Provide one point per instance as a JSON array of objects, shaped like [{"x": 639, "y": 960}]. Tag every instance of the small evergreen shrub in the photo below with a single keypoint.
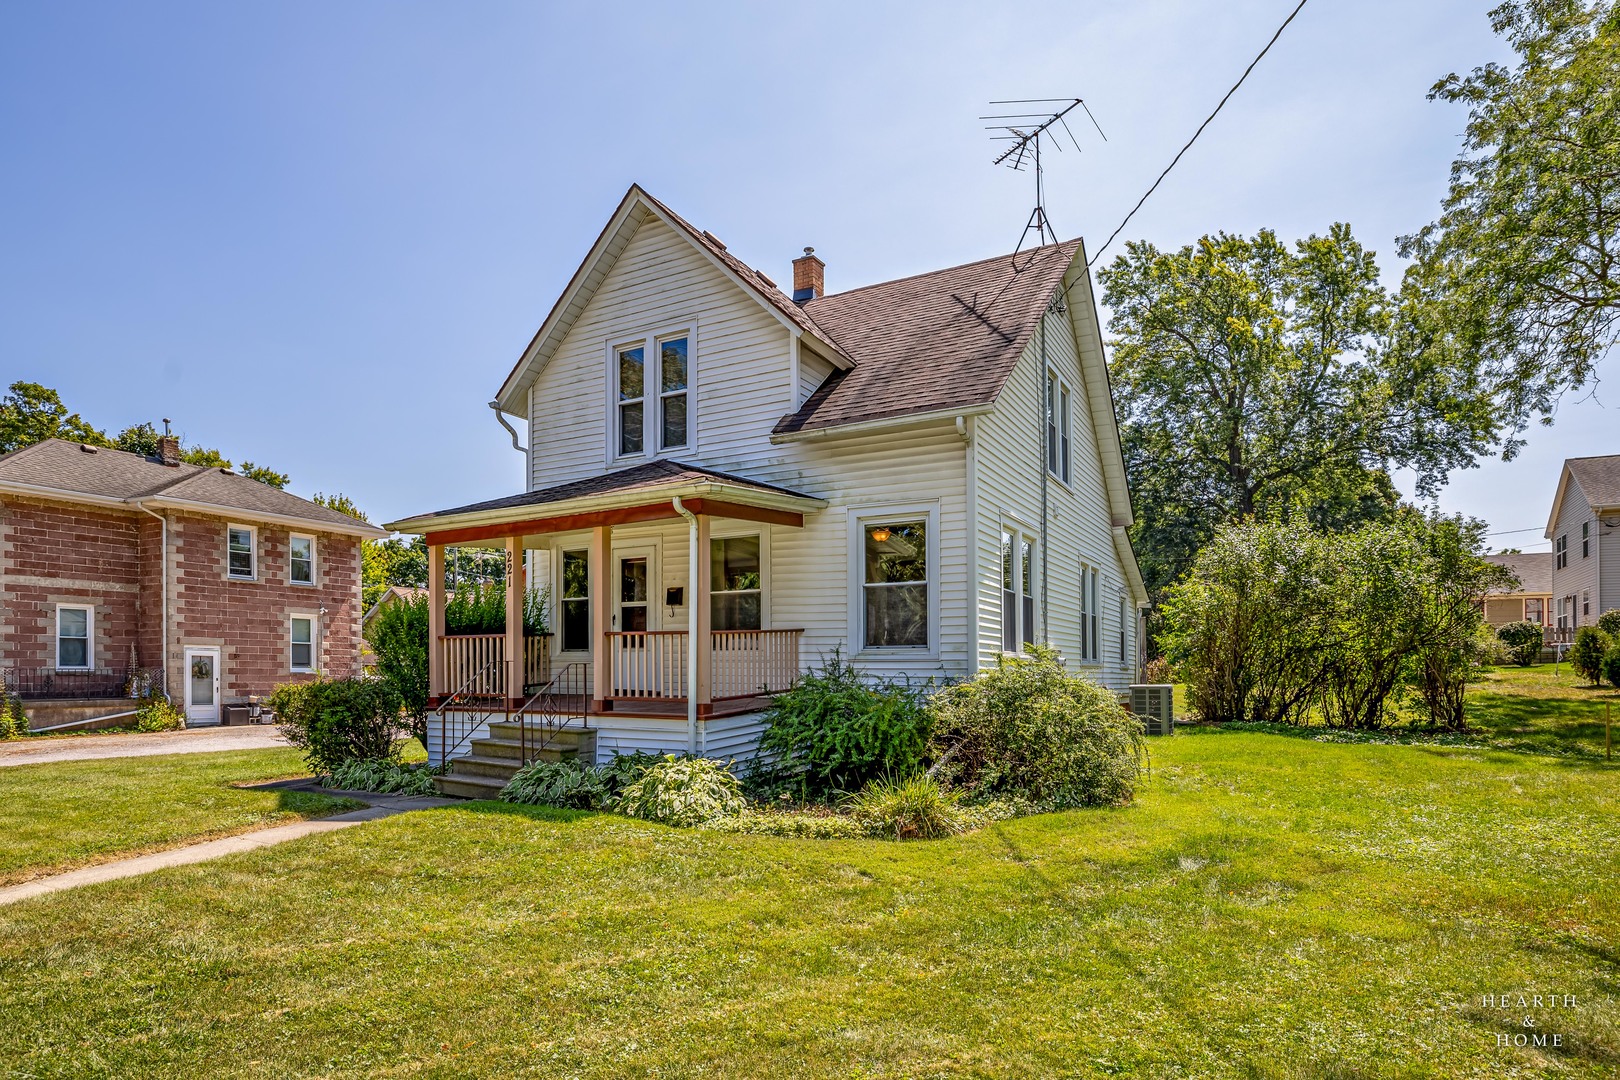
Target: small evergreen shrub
[
  {"x": 1611, "y": 666},
  {"x": 1586, "y": 656},
  {"x": 1523, "y": 640},
  {"x": 837, "y": 730},
  {"x": 383, "y": 777},
  {"x": 684, "y": 791},
  {"x": 1609, "y": 623},
  {"x": 571, "y": 784},
  {"x": 157, "y": 714},
  {"x": 338, "y": 720},
  {"x": 914, "y": 809},
  {"x": 481, "y": 609},
  {"x": 1029, "y": 729}
]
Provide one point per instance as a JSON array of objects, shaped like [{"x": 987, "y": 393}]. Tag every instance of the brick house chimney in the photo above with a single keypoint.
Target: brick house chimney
[
  {"x": 169, "y": 449},
  {"x": 808, "y": 276}
]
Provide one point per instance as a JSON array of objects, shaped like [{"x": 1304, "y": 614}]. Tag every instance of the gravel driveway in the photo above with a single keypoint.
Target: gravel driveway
[{"x": 84, "y": 747}]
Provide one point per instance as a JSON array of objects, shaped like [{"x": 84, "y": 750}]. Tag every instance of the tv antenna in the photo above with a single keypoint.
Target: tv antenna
[{"x": 1024, "y": 132}]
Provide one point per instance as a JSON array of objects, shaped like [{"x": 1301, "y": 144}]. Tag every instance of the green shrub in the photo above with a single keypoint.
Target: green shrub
[
  {"x": 1611, "y": 666},
  {"x": 157, "y": 714},
  {"x": 1609, "y": 623},
  {"x": 1159, "y": 671},
  {"x": 383, "y": 777},
  {"x": 399, "y": 638},
  {"x": 917, "y": 808},
  {"x": 684, "y": 791},
  {"x": 13, "y": 721},
  {"x": 1523, "y": 640},
  {"x": 338, "y": 720},
  {"x": 1028, "y": 728},
  {"x": 481, "y": 609},
  {"x": 1586, "y": 656},
  {"x": 836, "y": 730},
  {"x": 572, "y": 784},
  {"x": 795, "y": 824}
]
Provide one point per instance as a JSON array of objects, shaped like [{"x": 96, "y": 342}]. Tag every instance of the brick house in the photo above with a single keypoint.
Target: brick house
[{"x": 119, "y": 571}]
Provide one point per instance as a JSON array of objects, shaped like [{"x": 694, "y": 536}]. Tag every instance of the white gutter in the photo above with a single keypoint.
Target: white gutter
[
  {"x": 16, "y": 487},
  {"x": 163, "y": 583},
  {"x": 239, "y": 513},
  {"x": 691, "y": 626},
  {"x": 881, "y": 424}
]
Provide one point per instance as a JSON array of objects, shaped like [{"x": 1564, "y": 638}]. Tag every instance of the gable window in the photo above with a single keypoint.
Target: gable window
[
  {"x": 303, "y": 643},
  {"x": 672, "y": 378},
  {"x": 1017, "y": 592},
  {"x": 895, "y": 584},
  {"x": 75, "y": 626},
  {"x": 576, "y": 601},
  {"x": 632, "y": 399},
  {"x": 242, "y": 552},
  {"x": 1533, "y": 610},
  {"x": 301, "y": 560},
  {"x": 734, "y": 583},
  {"x": 1057, "y": 426},
  {"x": 1561, "y": 552},
  {"x": 1586, "y": 542}
]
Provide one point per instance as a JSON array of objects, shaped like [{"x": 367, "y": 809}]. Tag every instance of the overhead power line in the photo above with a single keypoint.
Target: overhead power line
[{"x": 1115, "y": 234}]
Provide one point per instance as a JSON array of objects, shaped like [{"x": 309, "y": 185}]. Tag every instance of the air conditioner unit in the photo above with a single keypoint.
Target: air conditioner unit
[{"x": 1155, "y": 705}]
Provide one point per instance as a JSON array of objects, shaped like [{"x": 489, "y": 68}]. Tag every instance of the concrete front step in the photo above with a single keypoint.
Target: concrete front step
[
  {"x": 469, "y": 787},
  {"x": 569, "y": 736},
  {"x": 476, "y": 764},
  {"x": 492, "y": 762}
]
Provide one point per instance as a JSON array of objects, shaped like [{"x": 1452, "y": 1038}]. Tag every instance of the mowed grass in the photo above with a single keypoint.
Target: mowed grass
[
  {"x": 1270, "y": 907},
  {"x": 63, "y": 815},
  {"x": 1544, "y": 709}
]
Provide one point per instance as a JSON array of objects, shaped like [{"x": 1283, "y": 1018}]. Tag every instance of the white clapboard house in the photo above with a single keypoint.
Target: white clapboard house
[{"x": 726, "y": 483}]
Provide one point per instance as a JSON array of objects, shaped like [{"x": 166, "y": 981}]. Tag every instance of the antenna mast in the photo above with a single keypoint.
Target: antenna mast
[{"x": 1024, "y": 132}]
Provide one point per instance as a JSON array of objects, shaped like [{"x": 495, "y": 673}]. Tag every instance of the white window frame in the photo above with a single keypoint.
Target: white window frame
[
  {"x": 744, "y": 531},
  {"x": 1019, "y": 534},
  {"x": 1561, "y": 552},
  {"x": 314, "y": 643},
  {"x": 860, "y": 518},
  {"x": 652, "y": 392},
  {"x": 253, "y": 551},
  {"x": 1059, "y": 415},
  {"x": 89, "y": 633},
  {"x": 1090, "y": 614},
  {"x": 563, "y": 550},
  {"x": 314, "y": 570},
  {"x": 1586, "y": 539},
  {"x": 1124, "y": 652}
]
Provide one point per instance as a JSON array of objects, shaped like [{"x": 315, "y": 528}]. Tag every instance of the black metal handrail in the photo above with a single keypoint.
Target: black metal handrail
[
  {"x": 460, "y": 695},
  {"x": 555, "y": 705},
  {"x": 38, "y": 683}
]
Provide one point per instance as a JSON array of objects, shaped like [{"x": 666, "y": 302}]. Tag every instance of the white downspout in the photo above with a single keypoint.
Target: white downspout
[
  {"x": 163, "y": 588},
  {"x": 691, "y": 626}
]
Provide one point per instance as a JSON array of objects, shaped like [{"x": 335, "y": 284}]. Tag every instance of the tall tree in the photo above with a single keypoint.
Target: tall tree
[
  {"x": 1253, "y": 379},
  {"x": 143, "y": 439},
  {"x": 1519, "y": 278},
  {"x": 31, "y": 413}
]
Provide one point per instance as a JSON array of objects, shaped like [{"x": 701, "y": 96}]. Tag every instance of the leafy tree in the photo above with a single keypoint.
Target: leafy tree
[
  {"x": 1519, "y": 278},
  {"x": 398, "y": 635},
  {"x": 1586, "y": 655},
  {"x": 31, "y": 413},
  {"x": 139, "y": 439},
  {"x": 342, "y": 504},
  {"x": 1523, "y": 640},
  {"x": 394, "y": 561},
  {"x": 265, "y": 475},
  {"x": 1253, "y": 379}
]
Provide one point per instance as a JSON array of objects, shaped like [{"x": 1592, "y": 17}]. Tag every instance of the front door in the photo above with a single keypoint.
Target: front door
[
  {"x": 202, "y": 686},
  {"x": 633, "y": 592}
]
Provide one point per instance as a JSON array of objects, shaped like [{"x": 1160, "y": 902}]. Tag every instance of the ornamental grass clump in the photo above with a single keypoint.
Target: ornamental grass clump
[
  {"x": 1028, "y": 729},
  {"x": 917, "y": 808},
  {"x": 684, "y": 791}
]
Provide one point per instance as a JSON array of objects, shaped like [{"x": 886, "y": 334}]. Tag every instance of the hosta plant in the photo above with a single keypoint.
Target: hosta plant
[{"x": 684, "y": 791}]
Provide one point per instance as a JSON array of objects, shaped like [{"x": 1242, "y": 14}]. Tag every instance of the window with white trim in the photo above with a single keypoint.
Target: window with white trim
[
  {"x": 652, "y": 394},
  {"x": 575, "y": 602},
  {"x": 1122, "y": 628},
  {"x": 301, "y": 559},
  {"x": 672, "y": 386},
  {"x": 894, "y": 584},
  {"x": 1057, "y": 426},
  {"x": 734, "y": 583},
  {"x": 242, "y": 552},
  {"x": 632, "y": 367},
  {"x": 1018, "y": 627},
  {"x": 1090, "y": 618},
  {"x": 1586, "y": 541},
  {"x": 1561, "y": 552},
  {"x": 1586, "y": 603},
  {"x": 302, "y": 642},
  {"x": 75, "y": 637}
]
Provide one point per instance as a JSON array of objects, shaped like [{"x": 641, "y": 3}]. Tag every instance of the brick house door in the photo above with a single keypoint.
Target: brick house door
[{"x": 202, "y": 686}]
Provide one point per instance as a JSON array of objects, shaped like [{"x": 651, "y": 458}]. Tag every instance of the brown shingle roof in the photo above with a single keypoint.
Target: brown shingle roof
[
  {"x": 113, "y": 474},
  {"x": 1534, "y": 571},
  {"x": 647, "y": 478},
  {"x": 942, "y": 340},
  {"x": 1599, "y": 478}
]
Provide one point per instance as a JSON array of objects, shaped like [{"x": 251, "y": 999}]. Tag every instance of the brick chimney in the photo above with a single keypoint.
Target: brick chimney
[
  {"x": 808, "y": 276},
  {"x": 168, "y": 447}
]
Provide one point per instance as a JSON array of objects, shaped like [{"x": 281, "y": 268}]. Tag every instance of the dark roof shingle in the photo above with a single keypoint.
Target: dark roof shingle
[
  {"x": 1534, "y": 571},
  {"x": 1599, "y": 478}
]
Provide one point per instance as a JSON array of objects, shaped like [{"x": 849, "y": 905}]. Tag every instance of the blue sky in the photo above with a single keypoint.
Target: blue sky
[{"x": 318, "y": 235}]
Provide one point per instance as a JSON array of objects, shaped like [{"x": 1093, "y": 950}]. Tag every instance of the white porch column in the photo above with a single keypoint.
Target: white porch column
[
  {"x": 514, "y": 622},
  {"x": 601, "y": 613},
  {"x": 436, "y": 687}
]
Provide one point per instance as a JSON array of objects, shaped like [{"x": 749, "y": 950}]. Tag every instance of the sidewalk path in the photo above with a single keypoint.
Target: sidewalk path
[
  {"x": 381, "y": 806},
  {"x": 131, "y": 744}
]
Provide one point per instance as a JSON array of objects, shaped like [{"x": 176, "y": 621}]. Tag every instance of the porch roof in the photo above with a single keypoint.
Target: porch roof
[{"x": 640, "y": 493}]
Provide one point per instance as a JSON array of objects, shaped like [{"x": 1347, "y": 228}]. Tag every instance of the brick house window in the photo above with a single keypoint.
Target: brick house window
[
  {"x": 242, "y": 552},
  {"x": 75, "y": 636},
  {"x": 301, "y": 560},
  {"x": 303, "y": 643}
]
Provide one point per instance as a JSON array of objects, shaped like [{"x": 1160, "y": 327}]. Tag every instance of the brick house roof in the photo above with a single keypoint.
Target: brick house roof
[
  {"x": 1534, "y": 571},
  {"x": 942, "y": 340},
  {"x": 64, "y": 469}
]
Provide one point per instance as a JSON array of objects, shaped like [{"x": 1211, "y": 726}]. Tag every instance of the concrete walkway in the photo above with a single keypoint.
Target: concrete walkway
[
  {"x": 381, "y": 806},
  {"x": 133, "y": 744}
]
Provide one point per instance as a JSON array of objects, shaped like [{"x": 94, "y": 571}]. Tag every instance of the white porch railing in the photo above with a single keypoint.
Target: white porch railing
[
  {"x": 475, "y": 658},
  {"x": 652, "y": 664},
  {"x": 749, "y": 662},
  {"x": 647, "y": 664}
]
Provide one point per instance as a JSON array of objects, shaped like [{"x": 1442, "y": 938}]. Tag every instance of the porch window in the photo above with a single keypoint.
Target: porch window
[
  {"x": 301, "y": 560},
  {"x": 576, "y": 601},
  {"x": 303, "y": 643},
  {"x": 734, "y": 583},
  {"x": 632, "y": 399},
  {"x": 672, "y": 379},
  {"x": 73, "y": 636},
  {"x": 896, "y": 584},
  {"x": 240, "y": 553},
  {"x": 1533, "y": 611}
]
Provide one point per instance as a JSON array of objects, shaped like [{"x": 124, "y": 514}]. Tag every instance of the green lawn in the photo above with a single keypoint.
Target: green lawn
[
  {"x": 1544, "y": 710},
  {"x": 67, "y": 814},
  {"x": 1270, "y": 907}
]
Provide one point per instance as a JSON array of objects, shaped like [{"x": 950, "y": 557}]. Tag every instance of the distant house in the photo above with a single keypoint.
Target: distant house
[
  {"x": 120, "y": 572},
  {"x": 726, "y": 482},
  {"x": 1584, "y": 528},
  {"x": 1531, "y": 599},
  {"x": 392, "y": 595}
]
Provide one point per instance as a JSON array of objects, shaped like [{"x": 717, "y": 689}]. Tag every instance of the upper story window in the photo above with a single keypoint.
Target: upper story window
[
  {"x": 301, "y": 560},
  {"x": 1561, "y": 552},
  {"x": 1586, "y": 539},
  {"x": 242, "y": 551},
  {"x": 895, "y": 584},
  {"x": 1057, "y": 426},
  {"x": 734, "y": 583},
  {"x": 652, "y": 401},
  {"x": 75, "y": 647}
]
